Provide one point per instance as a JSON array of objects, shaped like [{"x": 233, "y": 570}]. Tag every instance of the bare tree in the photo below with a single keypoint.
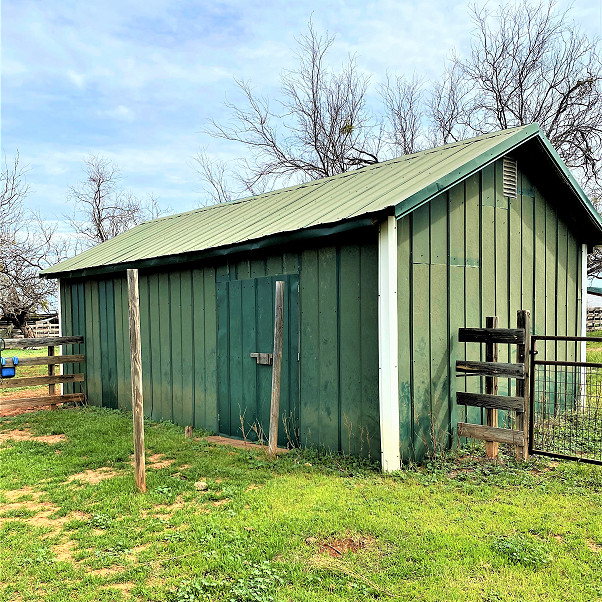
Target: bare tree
[
  {"x": 528, "y": 63},
  {"x": 27, "y": 245},
  {"x": 215, "y": 175},
  {"x": 101, "y": 208},
  {"x": 405, "y": 114},
  {"x": 320, "y": 127}
]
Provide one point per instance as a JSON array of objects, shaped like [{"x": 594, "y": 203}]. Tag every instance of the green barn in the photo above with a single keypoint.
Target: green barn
[{"x": 382, "y": 266}]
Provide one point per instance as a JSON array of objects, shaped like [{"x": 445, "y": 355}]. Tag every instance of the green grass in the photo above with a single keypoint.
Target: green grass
[
  {"x": 457, "y": 529},
  {"x": 26, "y": 371}
]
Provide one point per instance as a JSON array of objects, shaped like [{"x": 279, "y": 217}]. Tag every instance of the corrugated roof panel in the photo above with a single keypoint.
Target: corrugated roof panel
[{"x": 330, "y": 200}]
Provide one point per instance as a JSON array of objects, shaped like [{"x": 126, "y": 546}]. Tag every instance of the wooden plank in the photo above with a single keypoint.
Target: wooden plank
[
  {"x": 200, "y": 369},
  {"x": 276, "y": 368},
  {"x": 46, "y": 360},
  {"x": 491, "y": 388},
  {"x": 491, "y": 335},
  {"x": 328, "y": 345},
  {"x": 351, "y": 349},
  {"x": 310, "y": 347},
  {"x": 188, "y": 350},
  {"x": 489, "y": 433},
  {"x": 42, "y": 342},
  {"x": 136, "y": 367},
  {"x": 404, "y": 325},
  {"x": 34, "y": 381},
  {"x": 441, "y": 403},
  {"x": 485, "y": 400},
  {"x": 491, "y": 369},
  {"x": 472, "y": 281},
  {"x": 51, "y": 386},
  {"x": 457, "y": 282},
  {"x": 421, "y": 340},
  {"x": 32, "y": 402}
]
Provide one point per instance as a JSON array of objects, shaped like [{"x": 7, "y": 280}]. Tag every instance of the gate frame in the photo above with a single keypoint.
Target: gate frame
[{"x": 583, "y": 364}]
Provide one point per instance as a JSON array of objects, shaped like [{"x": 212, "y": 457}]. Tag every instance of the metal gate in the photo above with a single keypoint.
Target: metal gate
[{"x": 565, "y": 418}]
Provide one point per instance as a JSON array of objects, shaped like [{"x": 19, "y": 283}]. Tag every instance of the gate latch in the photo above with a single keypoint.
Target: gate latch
[{"x": 266, "y": 359}]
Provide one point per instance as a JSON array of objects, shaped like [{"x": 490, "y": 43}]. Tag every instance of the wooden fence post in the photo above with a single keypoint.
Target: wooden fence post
[
  {"x": 51, "y": 387},
  {"x": 491, "y": 355},
  {"x": 523, "y": 320},
  {"x": 136, "y": 364},
  {"x": 276, "y": 368}
]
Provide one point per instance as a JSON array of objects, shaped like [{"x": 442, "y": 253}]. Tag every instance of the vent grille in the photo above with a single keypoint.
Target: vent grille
[{"x": 510, "y": 177}]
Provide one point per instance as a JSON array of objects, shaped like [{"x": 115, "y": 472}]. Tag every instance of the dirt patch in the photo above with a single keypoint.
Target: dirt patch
[
  {"x": 558, "y": 538},
  {"x": 240, "y": 444},
  {"x": 93, "y": 476},
  {"x": 22, "y": 435},
  {"x": 14, "y": 494},
  {"x": 42, "y": 517},
  {"x": 221, "y": 502},
  {"x": 156, "y": 461},
  {"x": 594, "y": 547},
  {"x": 124, "y": 588},
  {"x": 107, "y": 571},
  {"x": 252, "y": 487},
  {"x": 336, "y": 547},
  {"x": 163, "y": 509},
  {"x": 63, "y": 552}
]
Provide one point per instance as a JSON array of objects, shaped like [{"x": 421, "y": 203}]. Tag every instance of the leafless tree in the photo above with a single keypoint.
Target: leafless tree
[
  {"x": 320, "y": 126},
  {"x": 528, "y": 63},
  {"x": 405, "y": 114},
  {"x": 27, "y": 245},
  {"x": 101, "y": 208},
  {"x": 215, "y": 175}
]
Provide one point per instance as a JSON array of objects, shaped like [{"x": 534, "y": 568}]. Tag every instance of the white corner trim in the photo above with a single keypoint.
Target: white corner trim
[{"x": 388, "y": 346}]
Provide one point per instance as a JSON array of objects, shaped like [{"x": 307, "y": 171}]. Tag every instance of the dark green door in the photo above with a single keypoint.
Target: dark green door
[{"x": 245, "y": 326}]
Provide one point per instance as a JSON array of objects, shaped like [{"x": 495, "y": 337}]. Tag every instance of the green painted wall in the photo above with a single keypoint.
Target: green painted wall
[
  {"x": 337, "y": 371},
  {"x": 468, "y": 254}
]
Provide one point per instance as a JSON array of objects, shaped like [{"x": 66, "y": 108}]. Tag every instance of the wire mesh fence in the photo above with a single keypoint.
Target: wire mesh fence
[{"x": 566, "y": 409}]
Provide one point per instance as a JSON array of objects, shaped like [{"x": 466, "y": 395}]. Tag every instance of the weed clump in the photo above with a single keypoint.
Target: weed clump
[{"x": 520, "y": 549}]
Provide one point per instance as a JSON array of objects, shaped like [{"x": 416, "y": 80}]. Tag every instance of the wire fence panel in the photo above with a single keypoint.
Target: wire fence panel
[{"x": 566, "y": 407}]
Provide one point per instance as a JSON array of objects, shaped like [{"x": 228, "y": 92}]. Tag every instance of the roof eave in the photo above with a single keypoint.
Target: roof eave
[{"x": 275, "y": 240}]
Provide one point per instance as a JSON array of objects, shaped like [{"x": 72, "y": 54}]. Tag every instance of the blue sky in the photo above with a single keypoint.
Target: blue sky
[{"x": 137, "y": 81}]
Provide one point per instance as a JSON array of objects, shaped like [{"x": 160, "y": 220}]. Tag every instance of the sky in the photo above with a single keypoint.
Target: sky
[{"x": 138, "y": 81}]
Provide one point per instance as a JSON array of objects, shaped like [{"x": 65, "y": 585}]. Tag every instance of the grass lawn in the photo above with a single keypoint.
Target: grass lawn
[{"x": 305, "y": 526}]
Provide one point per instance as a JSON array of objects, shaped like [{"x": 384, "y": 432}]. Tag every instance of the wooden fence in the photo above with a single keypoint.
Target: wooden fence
[
  {"x": 594, "y": 318},
  {"x": 53, "y": 378}
]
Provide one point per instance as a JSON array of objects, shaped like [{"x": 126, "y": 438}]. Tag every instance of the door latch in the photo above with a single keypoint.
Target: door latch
[{"x": 266, "y": 359}]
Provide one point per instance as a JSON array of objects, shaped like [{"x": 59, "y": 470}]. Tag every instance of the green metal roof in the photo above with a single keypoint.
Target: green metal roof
[{"x": 399, "y": 185}]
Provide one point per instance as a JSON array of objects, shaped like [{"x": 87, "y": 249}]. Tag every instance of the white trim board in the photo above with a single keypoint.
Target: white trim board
[{"x": 388, "y": 346}]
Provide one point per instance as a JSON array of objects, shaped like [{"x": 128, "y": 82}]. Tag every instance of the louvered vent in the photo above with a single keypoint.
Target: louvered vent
[{"x": 510, "y": 177}]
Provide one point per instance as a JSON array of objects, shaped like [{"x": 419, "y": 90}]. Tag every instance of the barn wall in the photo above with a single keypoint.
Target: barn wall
[
  {"x": 468, "y": 254},
  {"x": 338, "y": 330}
]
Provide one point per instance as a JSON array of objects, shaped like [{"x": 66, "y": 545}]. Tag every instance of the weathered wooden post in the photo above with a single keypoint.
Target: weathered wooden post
[
  {"x": 491, "y": 388},
  {"x": 276, "y": 367},
  {"x": 51, "y": 372},
  {"x": 136, "y": 364}
]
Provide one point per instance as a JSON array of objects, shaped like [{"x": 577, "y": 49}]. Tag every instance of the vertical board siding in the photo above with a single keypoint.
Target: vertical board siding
[
  {"x": 468, "y": 254},
  {"x": 339, "y": 348},
  {"x": 335, "y": 328}
]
